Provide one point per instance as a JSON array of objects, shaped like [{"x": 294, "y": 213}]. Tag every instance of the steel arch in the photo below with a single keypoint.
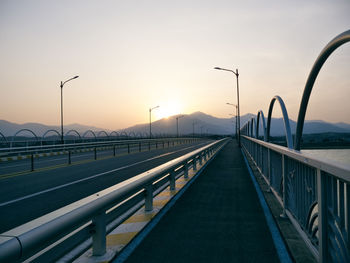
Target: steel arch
[
  {"x": 252, "y": 121},
  {"x": 89, "y": 131},
  {"x": 3, "y": 136},
  {"x": 28, "y": 130},
  {"x": 132, "y": 134},
  {"x": 325, "y": 53},
  {"x": 287, "y": 130},
  {"x": 105, "y": 133},
  {"x": 115, "y": 132},
  {"x": 123, "y": 133},
  {"x": 260, "y": 115},
  {"x": 58, "y": 134},
  {"x": 73, "y": 131}
]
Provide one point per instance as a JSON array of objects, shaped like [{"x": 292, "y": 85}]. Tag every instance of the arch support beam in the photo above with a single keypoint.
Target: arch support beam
[
  {"x": 325, "y": 53},
  {"x": 287, "y": 130}
]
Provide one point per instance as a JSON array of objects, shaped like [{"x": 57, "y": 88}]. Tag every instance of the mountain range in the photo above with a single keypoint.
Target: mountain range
[{"x": 198, "y": 122}]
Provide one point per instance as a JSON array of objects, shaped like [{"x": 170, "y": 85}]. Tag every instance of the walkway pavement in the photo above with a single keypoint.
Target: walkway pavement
[{"x": 218, "y": 219}]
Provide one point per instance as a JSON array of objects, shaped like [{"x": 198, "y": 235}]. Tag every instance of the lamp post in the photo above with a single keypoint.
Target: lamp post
[
  {"x": 177, "y": 124},
  {"x": 193, "y": 123},
  {"x": 234, "y": 105},
  {"x": 239, "y": 125},
  {"x": 62, "y": 84},
  {"x": 150, "y": 121},
  {"x": 234, "y": 125}
]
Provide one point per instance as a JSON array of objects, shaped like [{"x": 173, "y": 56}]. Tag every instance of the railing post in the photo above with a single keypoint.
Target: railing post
[
  {"x": 322, "y": 216},
  {"x": 95, "y": 152},
  {"x": 32, "y": 162},
  {"x": 163, "y": 144},
  {"x": 156, "y": 145},
  {"x": 113, "y": 150},
  {"x": 172, "y": 180},
  {"x": 186, "y": 170},
  {"x": 128, "y": 148},
  {"x": 99, "y": 235},
  {"x": 284, "y": 178},
  {"x": 200, "y": 159},
  {"x": 347, "y": 215},
  {"x": 269, "y": 170},
  {"x": 194, "y": 160},
  {"x": 139, "y": 146},
  {"x": 149, "y": 198},
  {"x": 69, "y": 157},
  {"x": 149, "y": 146}
]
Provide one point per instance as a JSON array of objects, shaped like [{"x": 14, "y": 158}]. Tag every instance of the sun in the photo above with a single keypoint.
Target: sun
[{"x": 168, "y": 109}]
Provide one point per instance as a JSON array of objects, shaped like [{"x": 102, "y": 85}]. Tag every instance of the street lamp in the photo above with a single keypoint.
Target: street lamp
[
  {"x": 202, "y": 131},
  {"x": 239, "y": 125},
  {"x": 177, "y": 124},
  {"x": 193, "y": 123},
  {"x": 62, "y": 84},
  {"x": 234, "y": 125},
  {"x": 234, "y": 105},
  {"x": 150, "y": 121}
]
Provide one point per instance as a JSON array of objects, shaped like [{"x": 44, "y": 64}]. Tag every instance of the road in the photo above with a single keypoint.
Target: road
[
  {"x": 29, "y": 195},
  {"x": 57, "y": 158}
]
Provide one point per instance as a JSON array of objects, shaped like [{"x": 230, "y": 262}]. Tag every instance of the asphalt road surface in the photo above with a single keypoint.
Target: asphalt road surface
[{"x": 26, "y": 196}]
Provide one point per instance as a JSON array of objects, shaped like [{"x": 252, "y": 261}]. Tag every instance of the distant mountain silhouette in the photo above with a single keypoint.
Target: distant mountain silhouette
[{"x": 204, "y": 124}]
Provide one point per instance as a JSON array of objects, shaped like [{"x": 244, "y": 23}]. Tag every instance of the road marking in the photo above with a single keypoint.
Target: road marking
[{"x": 88, "y": 178}]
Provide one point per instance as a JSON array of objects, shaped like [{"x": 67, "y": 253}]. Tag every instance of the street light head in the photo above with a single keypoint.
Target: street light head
[
  {"x": 218, "y": 68},
  {"x": 76, "y": 77}
]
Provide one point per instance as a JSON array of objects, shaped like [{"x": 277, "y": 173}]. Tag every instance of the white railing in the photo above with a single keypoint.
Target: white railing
[
  {"x": 314, "y": 194},
  {"x": 87, "y": 222}
]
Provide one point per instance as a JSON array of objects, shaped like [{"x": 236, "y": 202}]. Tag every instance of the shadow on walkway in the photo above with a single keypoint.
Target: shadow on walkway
[{"x": 218, "y": 219}]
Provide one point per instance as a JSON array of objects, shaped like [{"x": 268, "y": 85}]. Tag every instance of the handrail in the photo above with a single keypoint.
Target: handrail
[
  {"x": 23, "y": 245},
  {"x": 314, "y": 193}
]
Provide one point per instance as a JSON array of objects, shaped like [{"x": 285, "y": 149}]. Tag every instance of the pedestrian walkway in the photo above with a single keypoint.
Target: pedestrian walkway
[{"x": 218, "y": 219}]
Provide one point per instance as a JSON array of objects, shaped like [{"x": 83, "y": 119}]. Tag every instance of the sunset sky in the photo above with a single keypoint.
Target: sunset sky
[{"x": 133, "y": 55}]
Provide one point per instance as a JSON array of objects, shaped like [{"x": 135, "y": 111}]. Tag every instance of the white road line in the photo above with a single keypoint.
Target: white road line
[{"x": 88, "y": 178}]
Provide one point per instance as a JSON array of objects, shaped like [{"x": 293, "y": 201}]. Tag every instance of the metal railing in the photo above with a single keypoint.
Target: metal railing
[
  {"x": 87, "y": 222},
  {"x": 315, "y": 194},
  {"x": 114, "y": 147}
]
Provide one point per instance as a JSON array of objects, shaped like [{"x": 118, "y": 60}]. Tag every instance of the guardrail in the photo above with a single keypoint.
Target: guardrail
[
  {"x": 33, "y": 152},
  {"x": 87, "y": 221},
  {"x": 315, "y": 194}
]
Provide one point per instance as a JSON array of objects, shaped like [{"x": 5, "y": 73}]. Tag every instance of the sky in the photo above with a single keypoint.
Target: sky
[{"x": 134, "y": 55}]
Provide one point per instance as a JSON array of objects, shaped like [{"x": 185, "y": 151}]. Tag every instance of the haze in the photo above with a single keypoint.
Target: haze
[{"x": 133, "y": 55}]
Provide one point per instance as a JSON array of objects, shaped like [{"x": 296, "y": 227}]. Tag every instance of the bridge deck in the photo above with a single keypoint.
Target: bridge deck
[{"x": 218, "y": 219}]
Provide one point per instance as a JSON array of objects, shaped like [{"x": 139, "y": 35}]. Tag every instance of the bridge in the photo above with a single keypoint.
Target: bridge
[{"x": 178, "y": 199}]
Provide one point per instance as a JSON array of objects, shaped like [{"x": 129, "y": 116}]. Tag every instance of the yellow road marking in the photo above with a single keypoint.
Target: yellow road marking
[
  {"x": 120, "y": 239},
  {"x": 140, "y": 218},
  {"x": 160, "y": 202}
]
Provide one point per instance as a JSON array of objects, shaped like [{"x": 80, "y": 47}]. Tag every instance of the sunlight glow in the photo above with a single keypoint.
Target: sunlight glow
[{"x": 168, "y": 109}]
